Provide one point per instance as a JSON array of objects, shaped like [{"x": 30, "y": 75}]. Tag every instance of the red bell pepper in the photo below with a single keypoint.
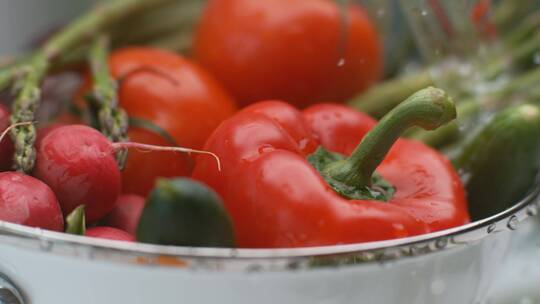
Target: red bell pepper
[{"x": 278, "y": 199}]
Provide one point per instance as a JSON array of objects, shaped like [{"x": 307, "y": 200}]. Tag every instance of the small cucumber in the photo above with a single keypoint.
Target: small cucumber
[
  {"x": 184, "y": 212},
  {"x": 499, "y": 165}
]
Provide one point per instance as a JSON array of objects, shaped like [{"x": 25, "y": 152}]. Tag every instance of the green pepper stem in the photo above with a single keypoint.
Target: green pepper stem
[{"x": 428, "y": 108}]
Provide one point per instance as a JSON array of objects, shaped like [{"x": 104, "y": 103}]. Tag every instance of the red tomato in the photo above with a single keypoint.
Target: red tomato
[
  {"x": 480, "y": 15},
  {"x": 142, "y": 168},
  {"x": 301, "y": 51},
  {"x": 175, "y": 95}
]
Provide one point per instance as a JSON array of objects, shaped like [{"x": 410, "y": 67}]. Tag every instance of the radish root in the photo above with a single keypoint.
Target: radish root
[{"x": 151, "y": 148}]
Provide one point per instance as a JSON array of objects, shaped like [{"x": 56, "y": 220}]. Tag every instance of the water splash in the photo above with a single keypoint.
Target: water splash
[
  {"x": 491, "y": 228},
  {"x": 513, "y": 223},
  {"x": 537, "y": 58}
]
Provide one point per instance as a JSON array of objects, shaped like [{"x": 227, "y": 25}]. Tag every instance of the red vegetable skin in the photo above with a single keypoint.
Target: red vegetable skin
[
  {"x": 42, "y": 132},
  {"x": 481, "y": 17},
  {"x": 337, "y": 127},
  {"x": 109, "y": 233},
  {"x": 77, "y": 162},
  {"x": 6, "y": 146},
  {"x": 301, "y": 51},
  {"x": 126, "y": 213},
  {"x": 277, "y": 199},
  {"x": 174, "y": 94},
  {"x": 28, "y": 201}
]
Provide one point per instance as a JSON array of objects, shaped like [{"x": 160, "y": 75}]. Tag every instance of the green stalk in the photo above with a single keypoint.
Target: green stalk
[
  {"x": 522, "y": 88},
  {"x": 168, "y": 20},
  {"x": 82, "y": 29},
  {"x": 525, "y": 29},
  {"x": 179, "y": 42},
  {"x": 507, "y": 12},
  {"x": 429, "y": 108},
  {"x": 514, "y": 58},
  {"x": 113, "y": 120},
  {"x": 380, "y": 99},
  {"x": 7, "y": 76},
  {"x": 521, "y": 84},
  {"x": 24, "y": 107},
  {"x": 95, "y": 21}
]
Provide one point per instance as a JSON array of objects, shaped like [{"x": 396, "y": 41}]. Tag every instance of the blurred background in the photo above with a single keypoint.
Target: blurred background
[{"x": 21, "y": 20}]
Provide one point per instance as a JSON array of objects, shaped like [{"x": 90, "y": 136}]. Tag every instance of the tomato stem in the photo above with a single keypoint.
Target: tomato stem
[{"x": 428, "y": 108}]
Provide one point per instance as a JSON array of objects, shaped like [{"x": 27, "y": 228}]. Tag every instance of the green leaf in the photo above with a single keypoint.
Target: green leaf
[
  {"x": 76, "y": 222},
  {"x": 380, "y": 189}
]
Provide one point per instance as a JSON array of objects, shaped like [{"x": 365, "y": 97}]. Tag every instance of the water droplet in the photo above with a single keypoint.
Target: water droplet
[
  {"x": 88, "y": 253},
  {"x": 265, "y": 149},
  {"x": 513, "y": 223},
  {"x": 532, "y": 210},
  {"x": 465, "y": 175},
  {"x": 414, "y": 250},
  {"x": 341, "y": 62},
  {"x": 45, "y": 245},
  {"x": 491, "y": 228},
  {"x": 537, "y": 58},
  {"x": 441, "y": 243},
  {"x": 368, "y": 256},
  {"x": 526, "y": 300},
  {"x": 294, "y": 265},
  {"x": 437, "y": 287},
  {"x": 465, "y": 70},
  {"x": 254, "y": 268},
  {"x": 423, "y": 13},
  {"x": 381, "y": 12}
]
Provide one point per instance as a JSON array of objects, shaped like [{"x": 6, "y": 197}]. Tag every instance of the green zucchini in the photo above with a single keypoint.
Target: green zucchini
[
  {"x": 499, "y": 165},
  {"x": 184, "y": 212}
]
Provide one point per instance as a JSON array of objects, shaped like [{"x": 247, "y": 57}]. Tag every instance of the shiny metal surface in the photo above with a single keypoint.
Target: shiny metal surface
[
  {"x": 220, "y": 259},
  {"x": 9, "y": 293}
]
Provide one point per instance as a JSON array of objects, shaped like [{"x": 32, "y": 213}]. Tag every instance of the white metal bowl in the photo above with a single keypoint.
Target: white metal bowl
[{"x": 452, "y": 266}]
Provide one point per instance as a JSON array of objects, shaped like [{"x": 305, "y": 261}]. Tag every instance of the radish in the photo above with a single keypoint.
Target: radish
[
  {"x": 28, "y": 201},
  {"x": 6, "y": 146},
  {"x": 43, "y": 131},
  {"x": 126, "y": 213},
  {"x": 79, "y": 165},
  {"x": 76, "y": 224},
  {"x": 109, "y": 233}
]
